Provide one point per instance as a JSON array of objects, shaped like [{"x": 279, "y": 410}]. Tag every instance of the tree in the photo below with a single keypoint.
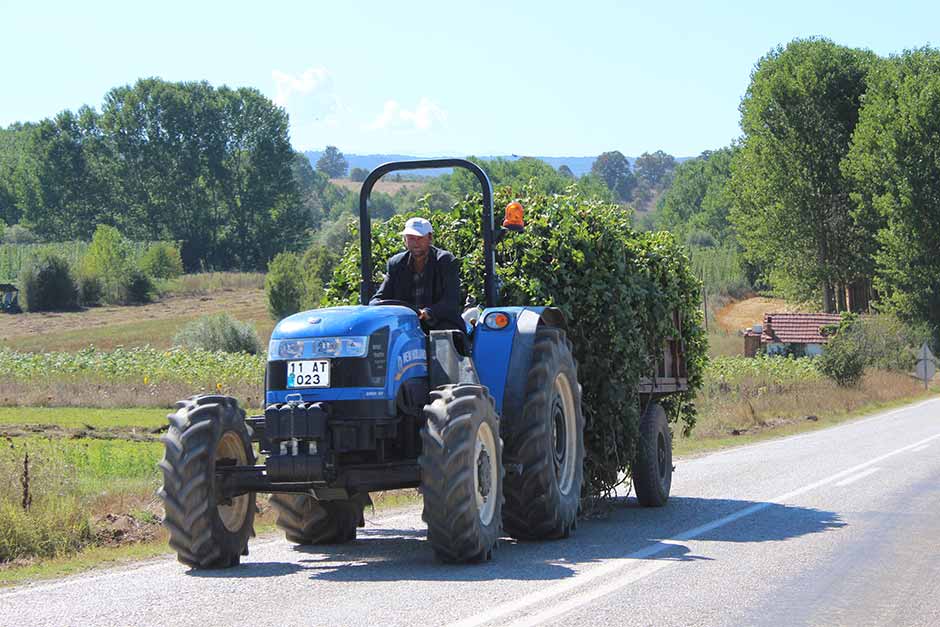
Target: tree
[
  {"x": 793, "y": 212},
  {"x": 699, "y": 198},
  {"x": 209, "y": 167},
  {"x": 62, "y": 193},
  {"x": 614, "y": 169},
  {"x": 894, "y": 164},
  {"x": 654, "y": 168},
  {"x": 448, "y": 189},
  {"x": 358, "y": 174},
  {"x": 565, "y": 171},
  {"x": 332, "y": 163}
]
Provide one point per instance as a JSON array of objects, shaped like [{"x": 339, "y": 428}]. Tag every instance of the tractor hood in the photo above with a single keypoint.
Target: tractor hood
[{"x": 343, "y": 321}]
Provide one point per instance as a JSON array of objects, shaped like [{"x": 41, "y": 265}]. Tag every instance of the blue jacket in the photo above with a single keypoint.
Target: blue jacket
[{"x": 441, "y": 287}]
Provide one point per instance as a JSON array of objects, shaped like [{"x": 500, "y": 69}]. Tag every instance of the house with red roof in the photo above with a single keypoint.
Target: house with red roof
[{"x": 798, "y": 334}]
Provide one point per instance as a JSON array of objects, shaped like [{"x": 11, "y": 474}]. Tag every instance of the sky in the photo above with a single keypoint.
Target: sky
[{"x": 444, "y": 78}]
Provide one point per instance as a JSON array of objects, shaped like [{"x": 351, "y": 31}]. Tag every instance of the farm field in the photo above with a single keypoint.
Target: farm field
[
  {"x": 153, "y": 324},
  {"x": 383, "y": 186}
]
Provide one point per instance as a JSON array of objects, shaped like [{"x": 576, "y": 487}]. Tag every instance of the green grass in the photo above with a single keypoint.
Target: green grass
[
  {"x": 65, "y": 481},
  {"x": 695, "y": 446},
  {"x": 79, "y": 467},
  {"x": 723, "y": 344},
  {"x": 77, "y": 417}
]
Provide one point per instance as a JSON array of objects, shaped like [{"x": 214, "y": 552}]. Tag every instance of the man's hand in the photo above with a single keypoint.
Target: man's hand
[{"x": 424, "y": 314}]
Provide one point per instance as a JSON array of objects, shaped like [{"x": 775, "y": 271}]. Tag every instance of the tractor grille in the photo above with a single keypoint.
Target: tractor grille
[{"x": 345, "y": 372}]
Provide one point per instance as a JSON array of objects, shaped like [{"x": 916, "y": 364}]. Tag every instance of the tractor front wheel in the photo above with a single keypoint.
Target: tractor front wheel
[
  {"x": 206, "y": 531},
  {"x": 462, "y": 473}
]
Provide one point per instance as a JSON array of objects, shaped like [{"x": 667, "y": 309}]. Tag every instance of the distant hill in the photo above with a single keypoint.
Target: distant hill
[{"x": 578, "y": 165}]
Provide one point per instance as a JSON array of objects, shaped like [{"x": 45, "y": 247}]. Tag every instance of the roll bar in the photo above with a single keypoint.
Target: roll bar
[{"x": 365, "y": 224}]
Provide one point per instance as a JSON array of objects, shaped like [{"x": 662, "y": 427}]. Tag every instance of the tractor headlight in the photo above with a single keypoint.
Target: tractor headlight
[
  {"x": 320, "y": 347},
  {"x": 339, "y": 346},
  {"x": 286, "y": 349}
]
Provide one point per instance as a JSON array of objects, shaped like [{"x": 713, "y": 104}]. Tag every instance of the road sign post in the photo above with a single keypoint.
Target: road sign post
[{"x": 926, "y": 364}]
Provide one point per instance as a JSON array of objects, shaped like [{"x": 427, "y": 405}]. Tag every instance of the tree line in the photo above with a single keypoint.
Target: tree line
[
  {"x": 832, "y": 192},
  {"x": 209, "y": 167}
]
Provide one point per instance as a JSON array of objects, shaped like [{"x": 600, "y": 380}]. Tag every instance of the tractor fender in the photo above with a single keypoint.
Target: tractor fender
[{"x": 503, "y": 356}]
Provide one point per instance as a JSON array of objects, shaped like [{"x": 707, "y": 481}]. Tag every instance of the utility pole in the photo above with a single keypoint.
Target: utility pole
[{"x": 704, "y": 300}]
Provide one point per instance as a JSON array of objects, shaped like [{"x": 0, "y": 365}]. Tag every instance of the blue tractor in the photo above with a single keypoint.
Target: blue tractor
[{"x": 486, "y": 422}]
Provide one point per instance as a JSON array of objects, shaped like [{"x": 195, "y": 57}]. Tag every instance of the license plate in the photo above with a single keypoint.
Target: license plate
[{"x": 308, "y": 374}]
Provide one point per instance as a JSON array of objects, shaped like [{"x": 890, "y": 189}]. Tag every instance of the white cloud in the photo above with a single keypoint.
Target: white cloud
[
  {"x": 287, "y": 85},
  {"x": 425, "y": 115}
]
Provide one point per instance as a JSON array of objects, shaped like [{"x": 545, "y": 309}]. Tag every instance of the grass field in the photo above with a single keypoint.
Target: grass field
[
  {"x": 145, "y": 417},
  {"x": 154, "y": 324}
]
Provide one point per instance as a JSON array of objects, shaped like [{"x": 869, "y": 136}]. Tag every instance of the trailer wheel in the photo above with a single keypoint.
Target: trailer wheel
[
  {"x": 462, "y": 473},
  {"x": 652, "y": 468},
  {"x": 305, "y": 520},
  {"x": 548, "y": 443},
  {"x": 204, "y": 531}
]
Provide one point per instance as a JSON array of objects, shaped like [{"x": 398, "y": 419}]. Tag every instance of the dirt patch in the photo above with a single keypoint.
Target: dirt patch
[
  {"x": 119, "y": 529},
  {"x": 745, "y": 313},
  {"x": 131, "y": 434}
]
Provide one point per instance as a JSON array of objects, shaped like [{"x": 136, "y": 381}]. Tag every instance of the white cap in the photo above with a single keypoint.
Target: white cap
[{"x": 417, "y": 226}]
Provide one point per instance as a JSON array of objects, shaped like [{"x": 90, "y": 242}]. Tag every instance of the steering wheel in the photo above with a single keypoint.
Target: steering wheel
[{"x": 400, "y": 303}]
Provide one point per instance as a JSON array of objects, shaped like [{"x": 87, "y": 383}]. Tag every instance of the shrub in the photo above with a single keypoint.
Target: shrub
[
  {"x": 881, "y": 341},
  {"x": 90, "y": 290},
  {"x": 616, "y": 287},
  {"x": 844, "y": 357},
  {"x": 890, "y": 343},
  {"x": 110, "y": 259},
  {"x": 46, "y": 284},
  {"x": 137, "y": 288},
  {"x": 19, "y": 234},
  {"x": 284, "y": 285},
  {"x": 162, "y": 261},
  {"x": 220, "y": 332},
  {"x": 317, "y": 263}
]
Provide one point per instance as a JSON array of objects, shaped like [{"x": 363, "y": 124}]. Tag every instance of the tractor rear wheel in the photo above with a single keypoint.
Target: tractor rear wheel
[
  {"x": 547, "y": 443},
  {"x": 205, "y": 531},
  {"x": 462, "y": 473},
  {"x": 652, "y": 468},
  {"x": 305, "y": 520}
]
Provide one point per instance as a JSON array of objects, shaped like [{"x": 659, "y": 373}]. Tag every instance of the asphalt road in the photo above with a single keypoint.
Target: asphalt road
[{"x": 835, "y": 527}]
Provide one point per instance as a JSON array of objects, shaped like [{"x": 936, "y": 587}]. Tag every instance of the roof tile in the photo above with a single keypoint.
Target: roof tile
[{"x": 796, "y": 328}]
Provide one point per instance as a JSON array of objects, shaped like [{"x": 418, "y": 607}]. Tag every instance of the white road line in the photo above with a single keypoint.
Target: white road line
[
  {"x": 920, "y": 448},
  {"x": 858, "y": 477},
  {"x": 645, "y": 569}
]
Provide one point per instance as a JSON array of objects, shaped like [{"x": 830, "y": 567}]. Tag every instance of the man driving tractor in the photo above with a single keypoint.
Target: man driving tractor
[{"x": 424, "y": 276}]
